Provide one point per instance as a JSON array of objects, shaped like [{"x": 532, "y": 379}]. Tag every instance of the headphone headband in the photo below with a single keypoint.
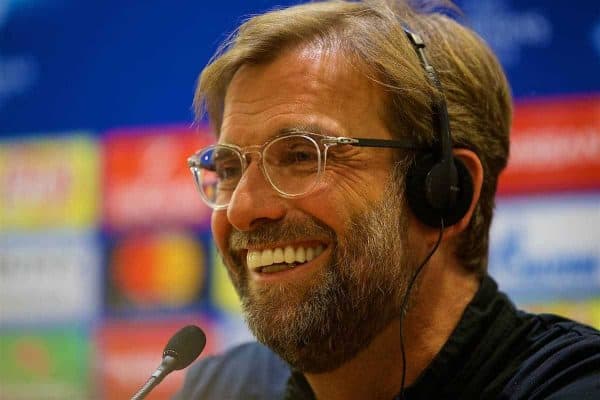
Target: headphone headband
[
  {"x": 440, "y": 110},
  {"x": 439, "y": 187}
]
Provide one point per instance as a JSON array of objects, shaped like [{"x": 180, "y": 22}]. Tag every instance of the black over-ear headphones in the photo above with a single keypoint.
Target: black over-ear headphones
[{"x": 438, "y": 185}]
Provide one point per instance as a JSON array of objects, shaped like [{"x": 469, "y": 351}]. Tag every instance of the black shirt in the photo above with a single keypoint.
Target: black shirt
[{"x": 495, "y": 352}]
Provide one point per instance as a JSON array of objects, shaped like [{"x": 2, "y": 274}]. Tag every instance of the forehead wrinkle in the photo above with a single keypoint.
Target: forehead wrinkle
[
  {"x": 266, "y": 121},
  {"x": 315, "y": 78},
  {"x": 321, "y": 69}
]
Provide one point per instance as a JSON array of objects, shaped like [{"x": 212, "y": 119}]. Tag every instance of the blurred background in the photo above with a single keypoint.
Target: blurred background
[{"x": 105, "y": 247}]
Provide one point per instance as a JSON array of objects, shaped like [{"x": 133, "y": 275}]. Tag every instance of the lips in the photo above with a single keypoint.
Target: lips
[{"x": 277, "y": 259}]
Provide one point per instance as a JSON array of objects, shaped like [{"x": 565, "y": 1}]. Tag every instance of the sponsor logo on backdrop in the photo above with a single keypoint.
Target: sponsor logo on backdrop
[
  {"x": 595, "y": 36},
  {"x": 147, "y": 180},
  {"x": 232, "y": 330},
  {"x": 587, "y": 311},
  {"x": 129, "y": 351},
  {"x": 45, "y": 364},
  {"x": 18, "y": 73},
  {"x": 222, "y": 291},
  {"x": 156, "y": 270},
  {"x": 508, "y": 31},
  {"x": 555, "y": 146},
  {"x": 547, "y": 249},
  {"x": 48, "y": 183},
  {"x": 49, "y": 277}
]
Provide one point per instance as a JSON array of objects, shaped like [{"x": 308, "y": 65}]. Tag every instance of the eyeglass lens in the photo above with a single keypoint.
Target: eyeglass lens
[{"x": 290, "y": 163}]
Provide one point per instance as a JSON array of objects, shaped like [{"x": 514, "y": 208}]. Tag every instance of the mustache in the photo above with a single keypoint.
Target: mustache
[{"x": 289, "y": 230}]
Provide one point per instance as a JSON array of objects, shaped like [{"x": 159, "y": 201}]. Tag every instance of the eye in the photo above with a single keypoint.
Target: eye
[
  {"x": 302, "y": 154},
  {"x": 227, "y": 170},
  {"x": 292, "y": 151},
  {"x": 222, "y": 163}
]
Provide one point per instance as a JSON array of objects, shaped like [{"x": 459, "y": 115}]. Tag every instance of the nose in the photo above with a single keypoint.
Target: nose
[{"x": 254, "y": 201}]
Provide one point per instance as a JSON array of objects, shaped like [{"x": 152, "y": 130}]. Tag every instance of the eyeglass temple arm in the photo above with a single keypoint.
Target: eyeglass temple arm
[
  {"x": 398, "y": 144},
  {"x": 360, "y": 142}
]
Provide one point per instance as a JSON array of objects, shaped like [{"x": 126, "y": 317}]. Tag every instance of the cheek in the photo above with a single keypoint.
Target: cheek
[
  {"x": 330, "y": 208},
  {"x": 220, "y": 229},
  {"x": 353, "y": 188}
]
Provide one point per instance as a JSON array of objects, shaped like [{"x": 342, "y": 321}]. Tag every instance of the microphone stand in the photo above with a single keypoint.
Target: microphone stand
[{"x": 166, "y": 366}]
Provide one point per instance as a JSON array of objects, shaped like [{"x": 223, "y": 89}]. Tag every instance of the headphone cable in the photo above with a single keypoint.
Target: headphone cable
[{"x": 405, "y": 301}]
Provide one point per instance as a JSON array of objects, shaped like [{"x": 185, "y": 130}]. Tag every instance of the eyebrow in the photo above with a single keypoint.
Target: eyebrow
[
  {"x": 304, "y": 128},
  {"x": 400, "y": 143},
  {"x": 293, "y": 129},
  {"x": 403, "y": 142}
]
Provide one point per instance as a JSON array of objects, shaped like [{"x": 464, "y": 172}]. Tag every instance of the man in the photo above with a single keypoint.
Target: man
[{"x": 353, "y": 218}]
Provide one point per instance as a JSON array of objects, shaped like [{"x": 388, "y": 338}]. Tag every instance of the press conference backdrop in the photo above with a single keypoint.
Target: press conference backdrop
[{"x": 105, "y": 248}]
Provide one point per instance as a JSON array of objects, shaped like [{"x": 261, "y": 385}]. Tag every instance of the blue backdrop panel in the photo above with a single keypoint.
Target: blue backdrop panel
[{"x": 99, "y": 64}]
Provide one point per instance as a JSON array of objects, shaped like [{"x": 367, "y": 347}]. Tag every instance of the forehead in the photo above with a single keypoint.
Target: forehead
[{"x": 306, "y": 86}]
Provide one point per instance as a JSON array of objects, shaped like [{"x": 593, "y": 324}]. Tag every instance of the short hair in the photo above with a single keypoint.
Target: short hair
[{"x": 370, "y": 35}]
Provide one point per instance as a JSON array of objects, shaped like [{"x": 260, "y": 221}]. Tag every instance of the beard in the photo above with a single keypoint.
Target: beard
[{"x": 318, "y": 324}]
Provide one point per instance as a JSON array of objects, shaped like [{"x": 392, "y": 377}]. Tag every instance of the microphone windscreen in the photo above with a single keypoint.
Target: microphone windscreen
[{"x": 185, "y": 346}]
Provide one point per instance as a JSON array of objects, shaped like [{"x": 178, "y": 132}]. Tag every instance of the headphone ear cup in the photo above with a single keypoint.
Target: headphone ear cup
[
  {"x": 417, "y": 192},
  {"x": 464, "y": 196}
]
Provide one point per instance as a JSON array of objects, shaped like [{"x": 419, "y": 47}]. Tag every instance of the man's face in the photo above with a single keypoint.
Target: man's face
[{"x": 316, "y": 314}]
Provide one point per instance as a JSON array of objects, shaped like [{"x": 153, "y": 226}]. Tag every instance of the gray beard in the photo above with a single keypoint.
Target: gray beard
[{"x": 319, "y": 324}]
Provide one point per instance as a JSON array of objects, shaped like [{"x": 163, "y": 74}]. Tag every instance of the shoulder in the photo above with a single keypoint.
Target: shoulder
[
  {"x": 248, "y": 371},
  {"x": 562, "y": 361}
]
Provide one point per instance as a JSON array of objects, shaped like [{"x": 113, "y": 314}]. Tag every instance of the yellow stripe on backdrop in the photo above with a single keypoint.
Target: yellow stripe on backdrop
[
  {"x": 586, "y": 311},
  {"x": 49, "y": 183}
]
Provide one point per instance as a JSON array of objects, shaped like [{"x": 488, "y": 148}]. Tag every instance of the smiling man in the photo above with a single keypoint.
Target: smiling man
[{"x": 353, "y": 189}]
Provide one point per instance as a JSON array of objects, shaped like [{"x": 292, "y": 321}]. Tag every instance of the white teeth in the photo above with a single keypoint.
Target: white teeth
[
  {"x": 310, "y": 253},
  {"x": 267, "y": 257},
  {"x": 288, "y": 255},
  {"x": 278, "y": 255},
  {"x": 253, "y": 259},
  {"x": 300, "y": 255}
]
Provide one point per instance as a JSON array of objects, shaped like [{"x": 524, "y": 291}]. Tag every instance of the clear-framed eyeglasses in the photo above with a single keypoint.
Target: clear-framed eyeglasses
[{"x": 292, "y": 163}]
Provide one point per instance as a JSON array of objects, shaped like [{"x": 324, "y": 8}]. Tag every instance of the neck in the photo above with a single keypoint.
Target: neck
[{"x": 376, "y": 372}]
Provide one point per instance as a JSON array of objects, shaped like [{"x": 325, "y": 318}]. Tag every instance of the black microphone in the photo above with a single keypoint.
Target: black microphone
[{"x": 183, "y": 348}]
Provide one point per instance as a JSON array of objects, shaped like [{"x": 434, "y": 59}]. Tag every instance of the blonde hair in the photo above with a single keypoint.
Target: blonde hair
[{"x": 370, "y": 34}]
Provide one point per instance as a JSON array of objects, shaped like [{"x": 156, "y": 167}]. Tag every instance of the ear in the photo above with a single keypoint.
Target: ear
[{"x": 475, "y": 169}]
